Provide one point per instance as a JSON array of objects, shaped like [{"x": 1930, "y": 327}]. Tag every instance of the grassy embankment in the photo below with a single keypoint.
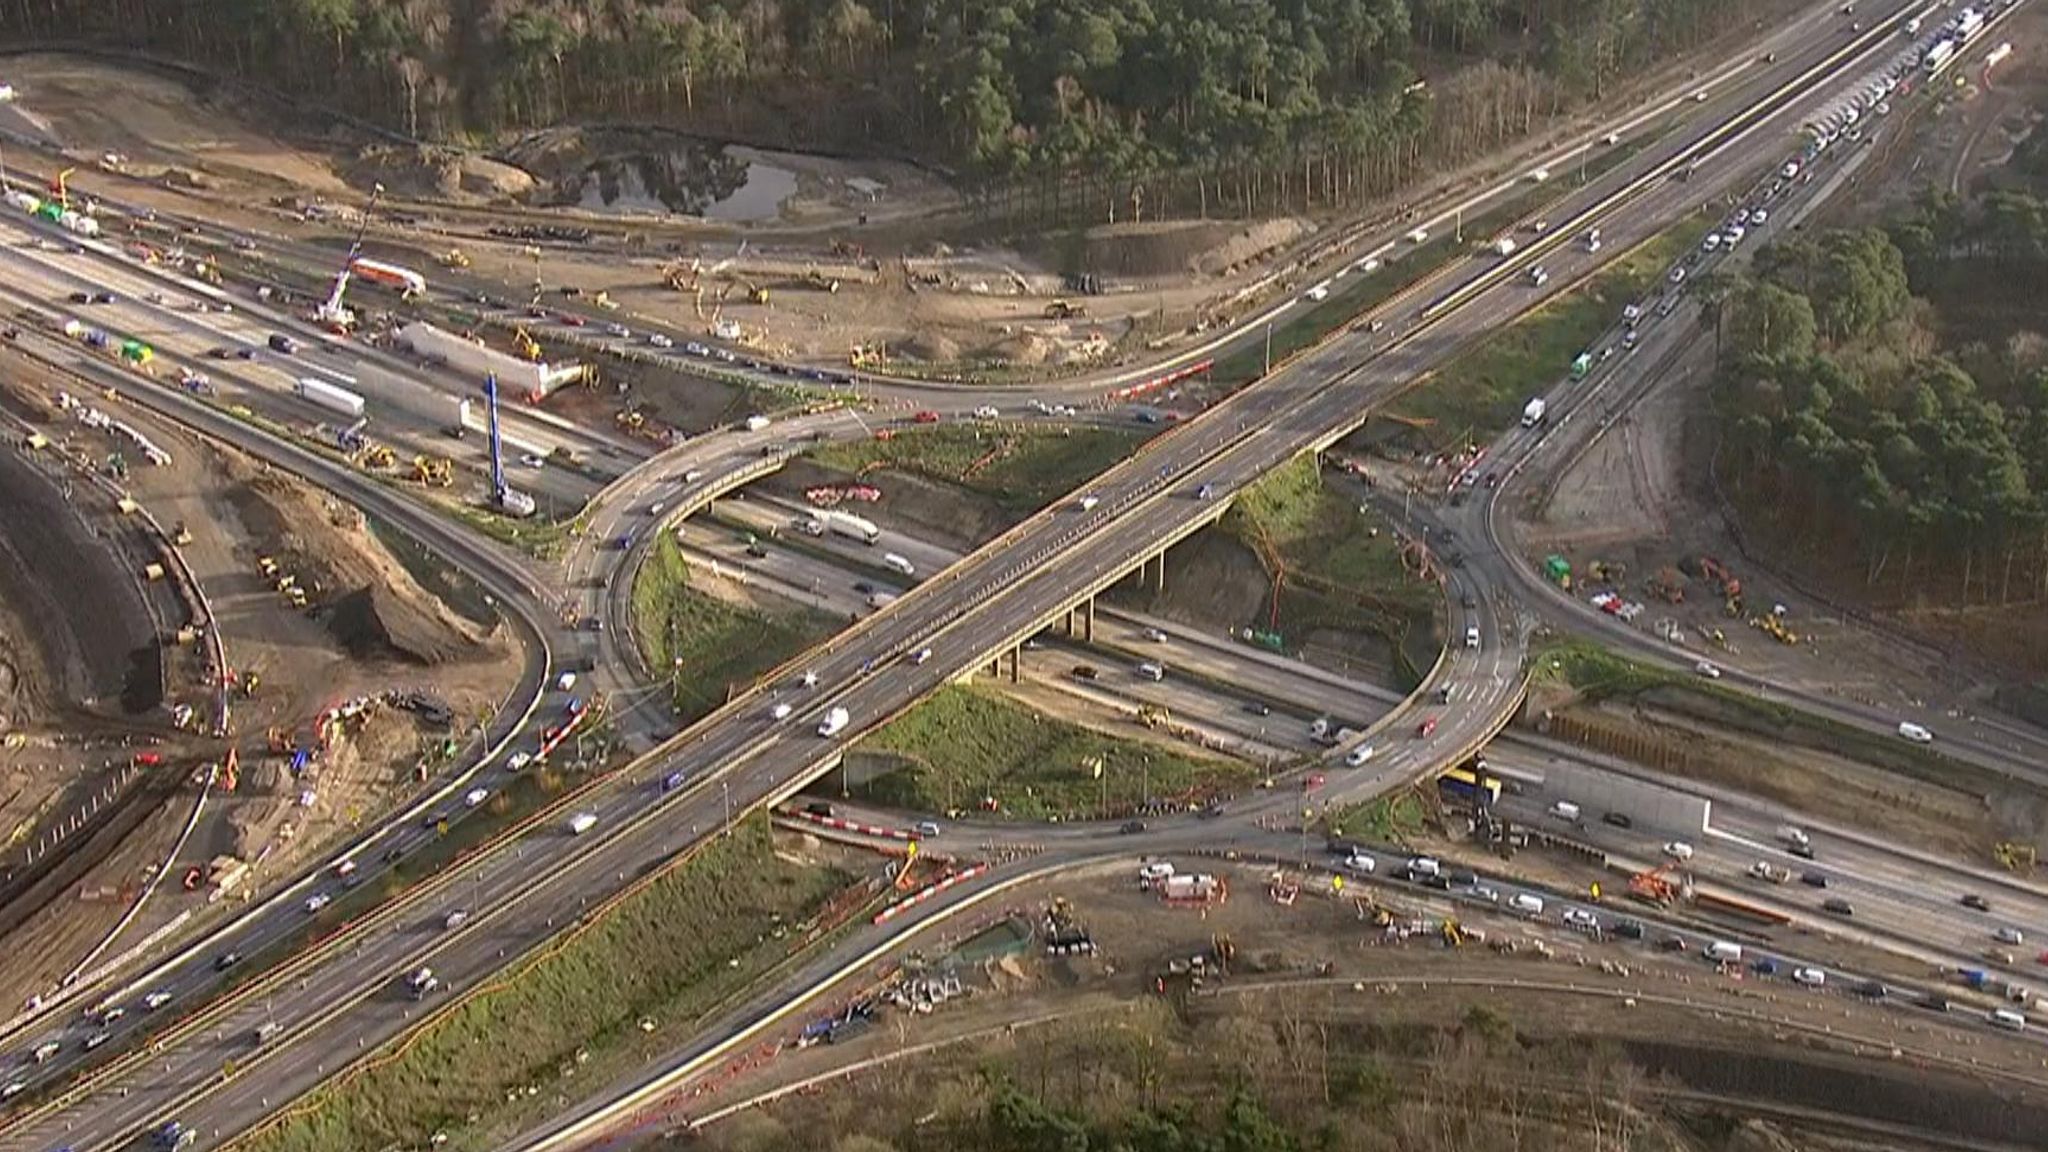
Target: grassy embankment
[
  {"x": 1482, "y": 392},
  {"x": 1341, "y": 566},
  {"x": 712, "y": 646},
  {"x": 590, "y": 1008},
  {"x": 1020, "y": 468},
  {"x": 966, "y": 743}
]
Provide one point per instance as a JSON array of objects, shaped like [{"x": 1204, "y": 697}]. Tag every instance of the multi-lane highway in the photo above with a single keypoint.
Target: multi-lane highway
[{"x": 988, "y": 603}]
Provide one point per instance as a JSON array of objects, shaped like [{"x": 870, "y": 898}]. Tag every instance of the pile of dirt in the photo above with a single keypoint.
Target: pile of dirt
[
  {"x": 426, "y": 172},
  {"x": 371, "y": 604},
  {"x": 1180, "y": 248}
]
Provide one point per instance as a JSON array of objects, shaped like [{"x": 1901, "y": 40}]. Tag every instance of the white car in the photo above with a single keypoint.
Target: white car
[
  {"x": 475, "y": 797},
  {"x": 1678, "y": 275},
  {"x": 454, "y": 920},
  {"x": 1711, "y": 243},
  {"x": 96, "y": 1039},
  {"x": 518, "y": 760},
  {"x": 1631, "y": 314},
  {"x": 618, "y": 330},
  {"x": 2009, "y": 936},
  {"x": 1358, "y": 755},
  {"x": 1811, "y": 977},
  {"x": 14, "y": 1088},
  {"x": 1581, "y": 919},
  {"x": 1914, "y": 732},
  {"x": 661, "y": 341},
  {"x": 986, "y": 412},
  {"x": 1706, "y": 668},
  {"x": 1155, "y": 635},
  {"x": 779, "y": 712},
  {"x": 534, "y": 460},
  {"x": 156, "y": 1000},
  {"x": 1678, "y": 850},
  {"x": 1791, "y": 169},
  {"x": 1359, "y": 864},
  {"x": 1734, "y": 235},
  {"x": 923, "y": 654},
  {"x": 316, "y": 902},
  {"x": 1759, "y": 218}
]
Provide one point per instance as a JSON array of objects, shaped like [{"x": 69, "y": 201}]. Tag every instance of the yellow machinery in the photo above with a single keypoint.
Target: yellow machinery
[
  {"x": 379, "y": 456},
  {"x": 816, "y": 279},
  {"x": 62, "y": 189},
  {"x": 529, "y": 349},
  {"x": 1064, "y": 310},
  {"x": 2013, "y": 857},
  {"x": 1153, "y": 717},
  {"x": 1454, "y": 935},
  {"x": 433, "y": 471},
  {"x": 604, "y": 300},
  {"x": 631, "y": 418},
  {"x": 454, "y": 258}
]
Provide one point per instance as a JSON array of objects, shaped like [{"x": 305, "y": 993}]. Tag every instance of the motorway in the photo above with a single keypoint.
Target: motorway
[{"x": 998, "y": 598}]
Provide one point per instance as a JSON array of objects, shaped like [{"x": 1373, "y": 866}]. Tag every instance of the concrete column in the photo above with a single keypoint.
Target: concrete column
[
  {"x": 1016, "y": 665},
  {"x": 1160, "y": 584},
  {"x": 1088, "y": 620}
]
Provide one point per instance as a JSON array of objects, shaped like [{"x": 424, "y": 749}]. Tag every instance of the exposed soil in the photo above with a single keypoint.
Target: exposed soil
[{"x": 940, "y": 513}]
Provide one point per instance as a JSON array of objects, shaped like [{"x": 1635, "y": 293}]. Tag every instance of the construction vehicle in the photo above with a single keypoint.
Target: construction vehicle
[
  {"x": 529, "y": 348},
  {"x": 454, "y": 258},
  {"x": 1283, "y": 888},
  {"x": 180, "y": 535},
  {"x": 1065, "y": 310},
  {"x": 1718, "y": 574},
  {"x": 433, "y": 471},
  {"x": 1453, "y": 933},
  {"x": 631, "y": 419},
  {"x": 1773, "y": 626},
  {"x": 816, "y": 279},
  {"x": 604, "y": 300},
  {"x": 1152, "y": 716},
  {"x": 1668, "y": 585},
  {"x": 250, "y": 681},
  {"x": 332, "y": 312},
  {"x": 1655, "y": 887},
  {"x": 379, "y": 456},
  {"x": 2013, "y": 857}
]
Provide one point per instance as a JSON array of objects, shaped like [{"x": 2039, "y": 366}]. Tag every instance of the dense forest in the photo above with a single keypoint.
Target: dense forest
[
  {"x": 1881, "y": 392},
  {"x": 1148, "y": 107}
]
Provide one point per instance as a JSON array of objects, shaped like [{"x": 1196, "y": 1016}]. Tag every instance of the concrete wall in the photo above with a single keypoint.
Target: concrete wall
[{"x": 1665, "y": 812}]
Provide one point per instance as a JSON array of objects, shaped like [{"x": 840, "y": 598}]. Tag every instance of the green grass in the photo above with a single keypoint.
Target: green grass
[
  {"x": 964, "y": 743},
  {"x": 712, "y": 647},
  {"x": 1598, "y": 674},
  {"x": 1483, "y": 391},
  {"x": 1388, "y": 820},
  {"x": 1357, "y": 294},
  {"x": 669, "y": 954},
  {"x": 1023, "y": 469},
  {"x": 1342, "y": 565}
]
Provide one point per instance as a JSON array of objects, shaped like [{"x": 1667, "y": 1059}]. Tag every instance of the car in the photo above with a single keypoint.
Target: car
[
  {"x": 923, "y": 654},
  {"x": 533, "y": 460},
  {"x": 1678, "y": 275},
  {"x": 1872, "y": 990},
  {"x": 1426, "y": 728},
  {"x": 226, "y": 960},
  {"x": 571, "y": 320},
  {"x": 780, "y": 711},
  {"x": 245, "y": 353},
  {"x": 1711, "y": 243},
  {"x": 1933, "y": 1002},
  {"x": 14, "y": 1088},
  {"x": 220, "y": 352},
  {"x": 1581, "y": 919},
  {"x": 1671, "y": 944},
  {"x": 1813, "y": 879},
  {"x": 1803, "y": 851},
  {"x": 392, "y": 854},
  {"x": 1155, "y": 635},
  {"x": 927, "y": 828},
  {"x": 475, "y": 796},
  {"x": 1084, "y": 672},
  {"x": 1836, "y": 906},
  {"x": 1359, "y": 864},
  {"x": 1759, "y": 218},
  {"x": 518, "y": 760},
  {"x": 661, "y": 341},
  {"x": 1486, "y": 892},
  {"x": 1678, "y": 850},
  {"x": 1618, "y": 820},
  {"x": 1131, "y": 828},
  {"x": 81, "y": 297},
  {"x": 155, "y": 1000},
  {"x": 1629, "y": 929},
  {"x": 696, "y": 349},
  {"x": 2009, "y": 935},
  {"x": 1706, "y": 668},
  {"x": 619, "y": 330},
  {"x": 1258, "y": 708},
  {"x": 433, "y": 819},
  {"x": 1809, "y": 976},
  {"x": 317, "y": 901},
  {"x": 1358, "y": 755},
  {"x": 1976, "y": 902}
]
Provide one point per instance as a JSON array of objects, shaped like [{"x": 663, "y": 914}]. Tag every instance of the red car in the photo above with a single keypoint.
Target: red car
[
  {"x": 1313, "y": 781},
  {"x": 926, "y": 417},
  {"x": 1428, "y": 726},
  {"x": 571, "y": 321}
]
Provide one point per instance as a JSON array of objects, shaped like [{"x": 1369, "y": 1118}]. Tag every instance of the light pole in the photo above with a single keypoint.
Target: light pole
[{"x": 725, "y": 790}]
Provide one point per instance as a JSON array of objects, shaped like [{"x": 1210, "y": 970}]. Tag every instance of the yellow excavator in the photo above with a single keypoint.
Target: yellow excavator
[
  {"x": 433, "y": 471},
  {"x": 454, "y": 258},
  {"x": 529, "y": 348}
]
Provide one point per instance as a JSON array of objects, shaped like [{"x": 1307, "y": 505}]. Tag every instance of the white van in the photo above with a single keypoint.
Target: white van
[
  {"x": 1359, "y": 864},
  {"x": 1424, "y": 867},
  {"x": 1722, "y": 952},
  {"x": 1566, "y": 811},
  {"x": 1154, "y": 874},
  {"x": 897, "y": 563},
  {"x": 1088, "y": 503},
  {"x": 582, "y": 822},
  {"x": 2008, "y": 1019},
  {"x": 1795, "y": 836},
  {"x": 1472, "y": 636},
  {"x": 565, "y": 681},
  {"x": 1525, "y": 904},
  {"x": 1915, "y": 732},
  {"x": 1358, "y": 755},
  {"x": 1151, "y": 671}
]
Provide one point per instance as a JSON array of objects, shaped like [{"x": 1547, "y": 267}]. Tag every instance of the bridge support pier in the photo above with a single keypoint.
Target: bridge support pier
[
  {"x": 1088, "y": 620},
  {"x": 1159, "y": 581},
  {"x": 1016, "y": 665}
]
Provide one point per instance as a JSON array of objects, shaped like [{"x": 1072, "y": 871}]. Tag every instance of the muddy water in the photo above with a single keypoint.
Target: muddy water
[{"x": 688, "y": 180}]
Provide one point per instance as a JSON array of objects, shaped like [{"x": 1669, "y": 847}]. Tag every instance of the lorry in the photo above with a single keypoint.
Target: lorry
[
  {"x": 1939, "y": 54},
  {"x": 1533, "y": 412},
  {"x": 834, "y": 723},
  {"x": 848, "y": 525},
  {"x": 329, "y": 396},
  {"x": 1968, "y": 22}
]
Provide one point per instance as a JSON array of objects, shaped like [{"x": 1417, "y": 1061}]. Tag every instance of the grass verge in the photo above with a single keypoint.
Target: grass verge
[
  {"x": 577, "y": 1013},
  {"x": 1341, "y": 568},
  {"x": 1388, "y": 820},
  {"x": 1600, "y": 675},
  {"x": 1021, "y": 468},
  {"x": 964, "y": 744},
  {"x": 1483, "y": 391},
  {"x": 711, "y": 646}
]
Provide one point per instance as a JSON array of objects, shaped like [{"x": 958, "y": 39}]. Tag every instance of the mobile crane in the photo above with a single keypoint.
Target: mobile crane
[{"x": 331, "y": 312}]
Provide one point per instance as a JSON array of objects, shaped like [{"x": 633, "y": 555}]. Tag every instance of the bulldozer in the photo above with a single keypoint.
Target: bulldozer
[
  {"x": 1065, "y": 310},
  {"x": 755, "y": 293},
  {"x": 433, "y": 471},
  {"x": 454, "y": 258}
]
